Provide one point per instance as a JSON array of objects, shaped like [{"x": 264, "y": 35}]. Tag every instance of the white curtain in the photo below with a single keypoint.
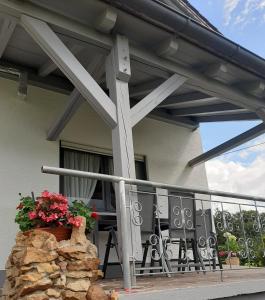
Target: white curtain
[{"x": 76, "y": 187}]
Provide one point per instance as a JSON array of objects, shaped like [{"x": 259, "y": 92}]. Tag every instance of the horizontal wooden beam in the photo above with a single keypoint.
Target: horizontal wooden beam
[
  {"x": 197, "y": 80},
  {"x": 150, "y": 70},
  {"x": 162, "y": 115},
  {"x": 72, "y": 68},
  {"x": 261, "y": 113},
  {"x": 231, "y": 144},
  {"x": 215, "y": 109},
  {"x": 188, "y": 99},
  {"x": 144, "y": 88},
  {"x": 248, "y": 116},
  {"x": 153, "y": 99},
  {"x": 256, "y": 88},
  {"x": 61, "y": 85},
  {"x": 53, "y": 83}
]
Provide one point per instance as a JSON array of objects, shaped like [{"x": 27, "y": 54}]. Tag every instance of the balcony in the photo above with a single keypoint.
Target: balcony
[
  {"x": 233, "y": 284},
  {"x": 184, "y": 242}
]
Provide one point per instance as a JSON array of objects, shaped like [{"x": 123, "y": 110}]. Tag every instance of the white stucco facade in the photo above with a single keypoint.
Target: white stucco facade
[{"x": 24, "y": 149}]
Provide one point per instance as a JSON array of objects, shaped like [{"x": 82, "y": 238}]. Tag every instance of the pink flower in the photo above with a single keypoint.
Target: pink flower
[
  {"x": 54, "y": 197},
  {"x": 41, "y": 214},
  {"x": 61, "y": 198},
  {"x": 32, "y": 215},
  {"x": 62, "y": 207},
  {"x": 75, "y": 221},
  {"x": 46, "y": 194}
]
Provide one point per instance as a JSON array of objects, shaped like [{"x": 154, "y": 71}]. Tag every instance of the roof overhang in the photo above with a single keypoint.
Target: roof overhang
[{"x": 224, "y": 83}]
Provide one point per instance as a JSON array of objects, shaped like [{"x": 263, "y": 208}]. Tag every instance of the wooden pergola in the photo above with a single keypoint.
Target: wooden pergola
[{"x": 151, "y": 69}]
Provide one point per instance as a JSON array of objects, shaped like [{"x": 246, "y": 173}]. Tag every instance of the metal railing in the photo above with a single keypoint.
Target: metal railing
[{"x": 183, "y": 229}]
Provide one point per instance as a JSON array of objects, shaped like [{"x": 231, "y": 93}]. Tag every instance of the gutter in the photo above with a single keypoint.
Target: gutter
[{"x": 169, "y": 19}]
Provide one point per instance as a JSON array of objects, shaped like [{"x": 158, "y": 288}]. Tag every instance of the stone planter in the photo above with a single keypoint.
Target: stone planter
[
  {"x": 41, "y": 268},
  {"x": 61, "y": 233},
  {"x": 234, "y": 261}
]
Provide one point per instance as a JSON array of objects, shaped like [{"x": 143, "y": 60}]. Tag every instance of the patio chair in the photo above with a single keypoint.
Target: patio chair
[
  {"x": 150, "y": 230},
  {"x": 147, "y": 200},
  {"x": 182, "y": 230},
  {"x": 207, "y": 240},
  {"x": 110, "y": 225}
]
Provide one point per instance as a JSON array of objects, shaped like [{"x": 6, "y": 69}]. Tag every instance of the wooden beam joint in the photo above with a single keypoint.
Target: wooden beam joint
[
  {"x": 7, "y": 29},
  {"x": 152, "y": 100},
  {"x": 107, "y": 20},
  {"x": 72, "y": 68}
]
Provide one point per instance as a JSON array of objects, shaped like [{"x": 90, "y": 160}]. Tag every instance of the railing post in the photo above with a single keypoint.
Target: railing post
[{"x": 127, "y": 279}]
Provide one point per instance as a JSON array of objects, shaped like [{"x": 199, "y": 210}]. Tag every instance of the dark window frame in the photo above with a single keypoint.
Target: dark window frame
[{"x": 107, "y": 190}]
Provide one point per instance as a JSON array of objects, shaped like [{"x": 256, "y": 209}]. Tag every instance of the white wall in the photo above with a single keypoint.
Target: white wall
[{"x": 24, "y": 149}]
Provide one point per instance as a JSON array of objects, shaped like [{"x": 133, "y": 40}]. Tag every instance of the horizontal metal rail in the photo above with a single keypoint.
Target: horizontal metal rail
[
  {"x": 117, "y": 179},
  {"x": 187, "y": 233},
  {"x": 254, "y": 204}
]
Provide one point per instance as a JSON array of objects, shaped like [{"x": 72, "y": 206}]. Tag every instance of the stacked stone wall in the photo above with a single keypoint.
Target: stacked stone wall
[{"x": 40, "y": 268}]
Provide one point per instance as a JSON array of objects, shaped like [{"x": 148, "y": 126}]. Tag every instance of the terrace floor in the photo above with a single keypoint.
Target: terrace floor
[{"x": 194, "y": 286}]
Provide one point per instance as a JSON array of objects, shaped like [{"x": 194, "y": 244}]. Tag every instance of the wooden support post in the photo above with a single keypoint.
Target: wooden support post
[{"x": 118, "y": 74}]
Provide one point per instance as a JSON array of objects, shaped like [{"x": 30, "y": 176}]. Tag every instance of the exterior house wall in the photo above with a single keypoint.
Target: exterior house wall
[{"x": 24, "y": 149}]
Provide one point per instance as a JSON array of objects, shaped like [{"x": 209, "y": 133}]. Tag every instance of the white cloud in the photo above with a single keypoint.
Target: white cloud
[
  {"x": 231, "y": 176},
  {"x": 243, "y": 154},
  {"x": 262, "y": 4},
  {"x": 229, "y": 7},
  {"x": 243, "y": 12},
  {"x": 255, "y": 146},
  {"x": 240, "y": 172}
]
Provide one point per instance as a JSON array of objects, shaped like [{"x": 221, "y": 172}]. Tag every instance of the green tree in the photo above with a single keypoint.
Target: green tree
[{"x": 248, "y": 228}]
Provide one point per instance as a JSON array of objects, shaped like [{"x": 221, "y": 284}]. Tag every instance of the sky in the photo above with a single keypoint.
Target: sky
[{"x": 242, "y": 21}]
